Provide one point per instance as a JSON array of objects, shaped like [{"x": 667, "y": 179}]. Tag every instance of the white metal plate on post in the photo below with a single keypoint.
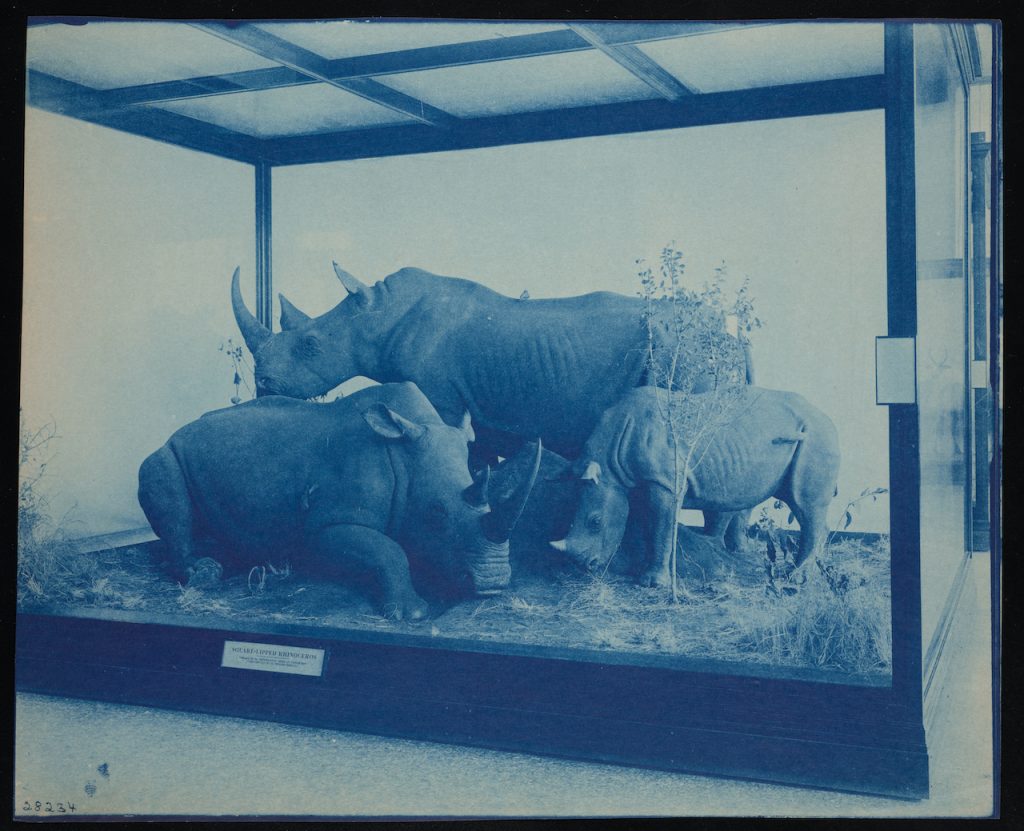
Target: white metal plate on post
[{"x": 895, "y": 371}]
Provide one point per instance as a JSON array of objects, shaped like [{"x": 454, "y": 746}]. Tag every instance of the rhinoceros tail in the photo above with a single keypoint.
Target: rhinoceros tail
[{"x": 792, "y": 438}]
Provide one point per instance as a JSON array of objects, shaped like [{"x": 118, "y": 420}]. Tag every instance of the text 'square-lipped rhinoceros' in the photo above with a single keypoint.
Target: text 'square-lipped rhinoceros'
[
  {"x": 357, "y": 489},
  {"x": 522, "y": 368},
  {"x": 750, "y": 445}
]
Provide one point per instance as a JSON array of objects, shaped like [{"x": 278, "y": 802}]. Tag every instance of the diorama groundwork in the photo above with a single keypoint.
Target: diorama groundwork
[{"x": 833, "y": 614}]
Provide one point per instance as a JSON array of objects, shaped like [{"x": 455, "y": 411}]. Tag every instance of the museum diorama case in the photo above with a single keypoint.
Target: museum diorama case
[{"x": 839, "y": 164}]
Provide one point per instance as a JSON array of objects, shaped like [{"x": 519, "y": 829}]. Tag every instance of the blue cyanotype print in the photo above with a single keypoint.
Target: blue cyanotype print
[{"x": 468, "y": 380}]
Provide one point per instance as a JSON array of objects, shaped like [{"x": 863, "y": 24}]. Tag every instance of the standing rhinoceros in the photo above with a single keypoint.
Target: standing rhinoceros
[
  {"x": 522, "y": 368},
  {"x": 757, "y": 444},
  {"x": 358, "y": 488},
  {"x": 551, "y": 507}
]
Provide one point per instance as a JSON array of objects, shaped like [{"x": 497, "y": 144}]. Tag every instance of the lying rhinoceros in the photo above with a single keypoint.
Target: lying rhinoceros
[
  {"x": 748, "y": 445},
  {"x": 359, "y": 488},
  {"x": 522, "y": 368}
]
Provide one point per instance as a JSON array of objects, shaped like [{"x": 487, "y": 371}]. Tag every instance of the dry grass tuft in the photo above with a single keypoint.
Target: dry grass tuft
[
  {"x": 729, "y": 609},
  {"x": 837, "y": 619},
  {"x": 197, "y": 601}
]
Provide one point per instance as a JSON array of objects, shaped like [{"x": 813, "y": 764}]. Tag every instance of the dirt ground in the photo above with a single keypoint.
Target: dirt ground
[{"x": 728, "y": 608}]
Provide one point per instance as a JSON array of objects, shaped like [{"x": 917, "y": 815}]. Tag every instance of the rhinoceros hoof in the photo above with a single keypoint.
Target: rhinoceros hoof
[
  {"x": 204, "y": 573},
  {"x": 658, "y": 578},
  {"x": 410, "y": 610}
]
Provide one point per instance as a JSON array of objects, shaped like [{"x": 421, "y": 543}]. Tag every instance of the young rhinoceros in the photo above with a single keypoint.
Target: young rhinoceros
[
  {"x": 358, "y": 488},
  {"x": 549, "y": 512},
  {"x": 744, "y": 445}
]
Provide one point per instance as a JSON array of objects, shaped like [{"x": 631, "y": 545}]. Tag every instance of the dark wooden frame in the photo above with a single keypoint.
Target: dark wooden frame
[
  {"x": 693, "y": 716},
  {"x": 586, "y": 705}
]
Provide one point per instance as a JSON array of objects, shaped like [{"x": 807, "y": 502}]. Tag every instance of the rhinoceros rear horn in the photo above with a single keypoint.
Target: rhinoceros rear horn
[
  {"x": 353, "y": 285},
  {"x": 498, "y": 524},
  {"x": 291, "y": 316},
  {"x": 254, "y": 333}
]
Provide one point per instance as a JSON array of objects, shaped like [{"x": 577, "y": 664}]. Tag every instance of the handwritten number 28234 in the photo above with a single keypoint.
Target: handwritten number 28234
[{"x": 48, "y": 807}]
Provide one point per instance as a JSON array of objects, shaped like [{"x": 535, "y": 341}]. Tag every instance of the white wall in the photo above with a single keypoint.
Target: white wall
[
  {"x": 797, "y": 205},
  {"x": 130, "y": 245},
  {"x": 129, "y": 248}
]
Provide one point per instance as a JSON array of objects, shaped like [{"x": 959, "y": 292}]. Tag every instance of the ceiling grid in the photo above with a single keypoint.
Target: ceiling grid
[{"x": 291, "y": 92}]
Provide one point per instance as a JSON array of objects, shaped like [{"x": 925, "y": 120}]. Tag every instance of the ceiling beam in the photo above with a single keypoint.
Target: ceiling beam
[
  {"x": 765, "y": 103},
  {"x": 557, "y": 41},
  {"x": 636, "y": 62},
  {"x": 63, "y": 97},
  {"x": 203, "y": 86},
  {"x": 271, "y": 47}
]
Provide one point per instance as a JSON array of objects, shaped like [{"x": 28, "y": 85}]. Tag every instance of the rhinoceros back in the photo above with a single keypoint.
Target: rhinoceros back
[
  {"x": 741, "y": 453},
  {"x": 250, "y": 469}
]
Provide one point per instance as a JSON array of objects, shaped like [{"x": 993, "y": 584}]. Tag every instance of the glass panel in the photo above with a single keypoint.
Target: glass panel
[
  {"x": 940, "y": 132},
  {"x": 312, "y": 108},
  {"x": 538, "y": 220},
  {"x": 526, "y": 84},
  {"x": 347, "y": 38},
  {"x": 150, "y": 251},
  {"x": 984, "y": 34},
  {"x": 762, "y": 56},
  {"x": 105, "y": 55},
  {"x": 125, "y": 307}
]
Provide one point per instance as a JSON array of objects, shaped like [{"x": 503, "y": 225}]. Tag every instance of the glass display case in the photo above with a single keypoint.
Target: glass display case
[{"x": 808, "y": 183}]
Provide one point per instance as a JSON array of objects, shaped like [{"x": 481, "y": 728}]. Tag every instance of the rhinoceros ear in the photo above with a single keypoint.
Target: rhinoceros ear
[
  {"x": 592, "y": 473},
  {"x": 291, "y": 317},
  {"x": 467, "y": 427},
  {"x": 389, "y": 424}
]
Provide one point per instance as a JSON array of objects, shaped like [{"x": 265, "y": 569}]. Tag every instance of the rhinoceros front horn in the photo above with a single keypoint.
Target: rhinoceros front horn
[
  {"x": 254, "y": 332},
  {"x": 504, "y": 515}
]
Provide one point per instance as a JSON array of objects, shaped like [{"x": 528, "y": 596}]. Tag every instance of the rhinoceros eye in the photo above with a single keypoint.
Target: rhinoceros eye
[
  {"x": 307, "y": 347},
  {"x": 594, "y": 522},
  {"x": 437, "y": 512}
]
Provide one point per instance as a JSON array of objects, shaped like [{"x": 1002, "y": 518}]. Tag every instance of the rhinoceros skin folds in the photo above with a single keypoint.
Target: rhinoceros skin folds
[
  {"x": 359, "y": 488},
  {"x": 545, "y": 368},
  {"x": 764, "y": 444}
]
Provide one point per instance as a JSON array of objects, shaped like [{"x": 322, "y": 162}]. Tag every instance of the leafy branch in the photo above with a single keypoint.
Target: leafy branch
[
  {"x": 243, "y": 370},
  {"x": 690, "y": 350}
]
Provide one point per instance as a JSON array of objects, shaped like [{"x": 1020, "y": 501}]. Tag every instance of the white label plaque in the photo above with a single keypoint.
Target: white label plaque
[{"x": 272, "y": 657}]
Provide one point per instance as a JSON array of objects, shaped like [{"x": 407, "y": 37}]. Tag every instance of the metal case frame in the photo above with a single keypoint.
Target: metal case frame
[{"x": 692, "y": 717}]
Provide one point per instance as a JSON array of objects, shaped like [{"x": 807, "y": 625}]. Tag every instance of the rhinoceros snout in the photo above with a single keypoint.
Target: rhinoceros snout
[{"x": 583, "y": 559}]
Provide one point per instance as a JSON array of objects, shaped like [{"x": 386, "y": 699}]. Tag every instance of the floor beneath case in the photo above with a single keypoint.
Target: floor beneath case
[{"x": 112, "y": 759}]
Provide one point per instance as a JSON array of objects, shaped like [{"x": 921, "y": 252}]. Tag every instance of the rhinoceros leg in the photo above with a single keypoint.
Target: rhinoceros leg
[
  {"x": 661, "y": 517},
  {"x": 716, "y": 524},
  {"x": 727, "y": 527},
  {"x": 165, "y": 500},
  {"x": 813, "y": 477},
  {"x": 736, "y": 531},
  {"x": 813, "y": 530},
  {"x": 340, "y": 552}
]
